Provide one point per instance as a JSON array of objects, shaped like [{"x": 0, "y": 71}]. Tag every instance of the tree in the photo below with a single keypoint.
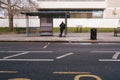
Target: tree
[{"x": 14, "y": 6}]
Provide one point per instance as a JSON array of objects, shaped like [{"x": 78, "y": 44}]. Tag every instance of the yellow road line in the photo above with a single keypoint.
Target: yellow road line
[{"x": 90, "y": 75}]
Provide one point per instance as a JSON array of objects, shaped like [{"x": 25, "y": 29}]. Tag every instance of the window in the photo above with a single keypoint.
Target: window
[
  {"x": 97, "y": 14},
  {"x": 87, "y": 14}
]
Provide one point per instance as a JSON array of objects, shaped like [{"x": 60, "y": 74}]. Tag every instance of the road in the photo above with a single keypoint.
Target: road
[{"x": 59, "y": 61}]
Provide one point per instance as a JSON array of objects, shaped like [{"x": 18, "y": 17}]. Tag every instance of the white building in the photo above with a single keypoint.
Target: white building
[
  {"x": 84, "y": 8},
  {"x": 88, "y": 13}
]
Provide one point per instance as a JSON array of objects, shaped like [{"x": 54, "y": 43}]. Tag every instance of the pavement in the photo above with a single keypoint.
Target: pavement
[{"x": 71, "y": 37}]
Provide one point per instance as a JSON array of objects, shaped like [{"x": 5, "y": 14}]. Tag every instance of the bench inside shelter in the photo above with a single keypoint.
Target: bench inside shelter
[
  {"x": 34, "y": 30},
  {"x": 40, "y": 31},
  {"x": 46, "y": 30}
]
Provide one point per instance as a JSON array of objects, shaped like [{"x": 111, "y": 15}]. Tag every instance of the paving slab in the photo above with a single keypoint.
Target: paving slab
[{"x": 71, "y": 37}]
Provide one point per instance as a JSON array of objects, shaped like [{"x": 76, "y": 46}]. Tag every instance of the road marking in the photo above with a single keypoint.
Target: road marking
[
  {"x": 19, "y": 79},
  {"x": 109, "y": 43},
  {"x": 46, "y": 45},
  {"x": 5, "y": 47},
  {"x": 11, "y": 72},
  {"x": 109, "y": 60},
  {"x": 12, "y": 51},
  {"x": 88, "y": 75},
  {"x": 71, "y": 72},
  {"x": 28, "y": 51},
  {"x": 78, "y": 43},
  {"x": 102, "y": 51},
  {"x": 85, "y": 43},
  {"x": 16, "y": 55},
  {"x": 31, "y": 60},
  {"x": 65, "y": 55},
  {"x": 115, "y": 56}
]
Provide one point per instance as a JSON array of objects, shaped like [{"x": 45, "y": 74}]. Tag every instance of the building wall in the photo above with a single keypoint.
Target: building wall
[
  {"x": 113, "y": 3},
  {"x": 110, "y": 17},
  {"x": 72, "y": 4},
  {"x": 110, "y": 6},
  {"x": 104, "y": 23},
  {"x": 113, "y": 9}
]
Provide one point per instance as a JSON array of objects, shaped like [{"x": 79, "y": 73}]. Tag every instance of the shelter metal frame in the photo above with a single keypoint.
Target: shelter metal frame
[{"x": 53, "y": 14}]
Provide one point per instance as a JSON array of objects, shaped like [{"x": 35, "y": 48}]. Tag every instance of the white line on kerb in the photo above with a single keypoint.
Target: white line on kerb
[
  {"x": 31, "y": 60},
  {"x": 62, "y": 56},
  {"x": 15, "y": 55},
  {"x": 115, "y": 56}
]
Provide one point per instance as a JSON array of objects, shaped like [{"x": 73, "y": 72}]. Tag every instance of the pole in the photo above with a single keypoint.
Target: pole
[
  {"x": 27, "y": 25},
  {"x": 65, "y": 24}
]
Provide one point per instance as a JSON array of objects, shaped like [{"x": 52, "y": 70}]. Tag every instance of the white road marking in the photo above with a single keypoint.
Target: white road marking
[
  {"x": 78, "y": 43},
  {"x": 85, "y": 43},
  {"x": 109, "y": 60},
  {"x": 12, "y": 51},
  {"x": 62, "y": 56},
  {"x": 22, "y": 53},
  {"x": 46, "y": 45},
  {"x": 115, "y": 56},
  {"x": 31, "y": 60},
  {"x": 5, "y": 47},
  {"x": 28, "y": 51},
  {"x": 71, "y": 72},
  {"x": 109, "y": 43},
  {"x": 19, "y": 54},
  {"x": 102, "y": 51},
  {"x": 2, "y": 72}
]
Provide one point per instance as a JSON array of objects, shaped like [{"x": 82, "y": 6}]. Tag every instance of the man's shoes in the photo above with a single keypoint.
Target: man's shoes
[{"x": 60, "y": 35}]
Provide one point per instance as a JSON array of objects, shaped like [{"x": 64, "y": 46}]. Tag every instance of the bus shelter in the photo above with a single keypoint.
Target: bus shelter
[{"x": 46, "y": 22}]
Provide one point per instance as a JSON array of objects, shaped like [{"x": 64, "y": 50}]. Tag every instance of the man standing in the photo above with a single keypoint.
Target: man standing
[{"x": 62, "y": 27}]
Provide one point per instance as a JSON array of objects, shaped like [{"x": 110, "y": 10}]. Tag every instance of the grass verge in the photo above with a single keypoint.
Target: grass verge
[{"x": 56, "y": 29}]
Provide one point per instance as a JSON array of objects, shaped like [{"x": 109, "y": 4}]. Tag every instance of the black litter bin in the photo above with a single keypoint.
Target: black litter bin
[{"x": 93, "y": 34}]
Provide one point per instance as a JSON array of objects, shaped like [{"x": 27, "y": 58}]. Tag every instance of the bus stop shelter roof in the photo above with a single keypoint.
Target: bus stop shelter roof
[{"x": 46, "y": 13}]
